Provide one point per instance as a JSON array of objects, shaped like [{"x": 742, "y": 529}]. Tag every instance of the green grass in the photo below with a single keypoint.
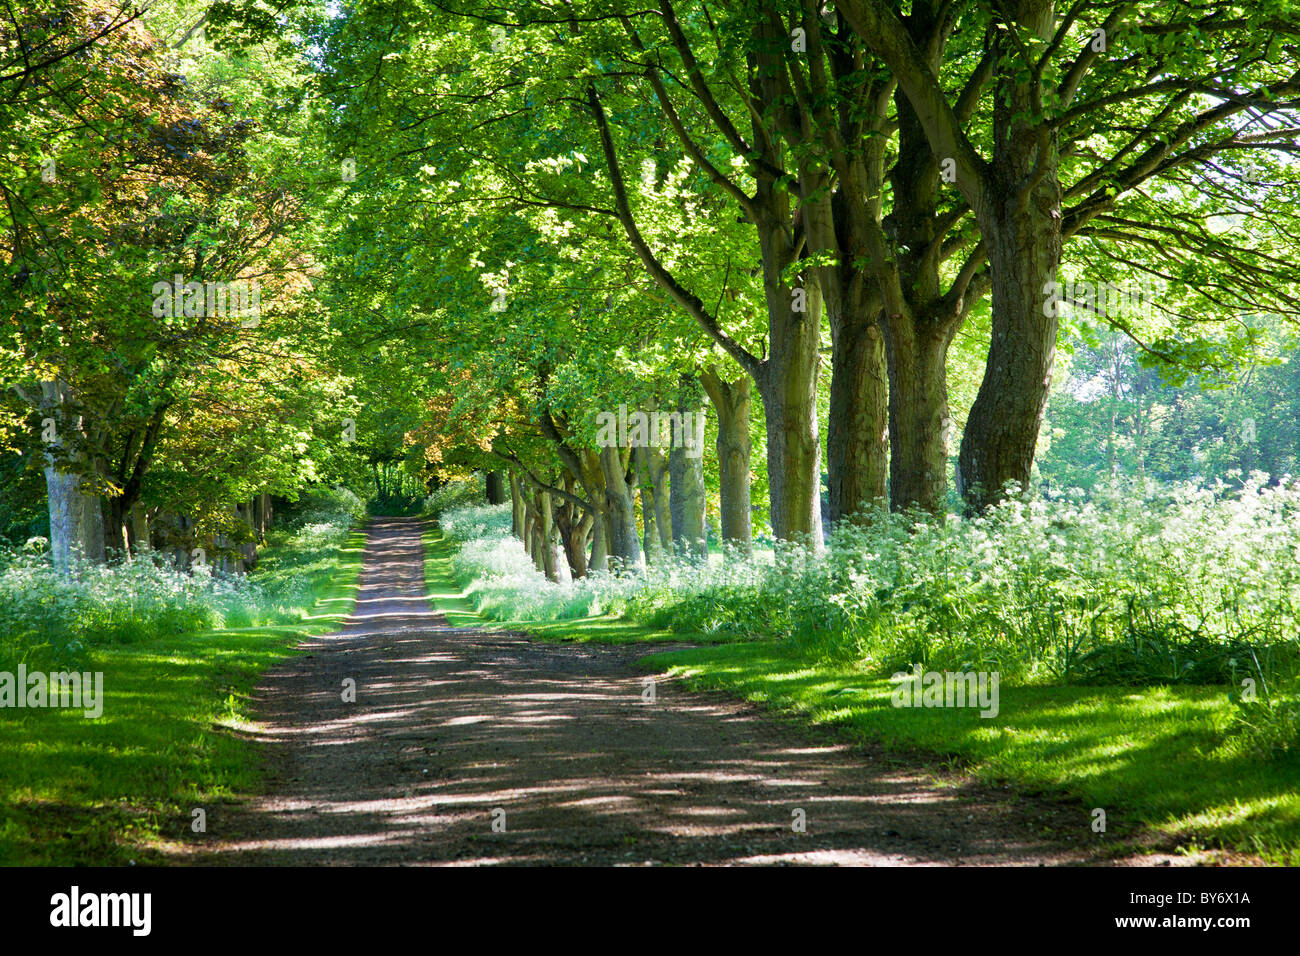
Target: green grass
[
  {"x": 104, "y": 792},
  {"x": 1154, "y": 758}
]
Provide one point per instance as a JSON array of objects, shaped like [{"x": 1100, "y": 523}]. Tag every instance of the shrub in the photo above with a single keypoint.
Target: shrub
[
  {"x": 52, "y": 617},
  {"x": 504, "y": 583}
]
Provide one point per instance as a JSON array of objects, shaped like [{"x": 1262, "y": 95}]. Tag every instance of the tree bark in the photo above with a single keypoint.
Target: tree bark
[
  {"x": 590, "y": 472},
  {"x": 249, "y": 549},
  {"x": 1002, "y": 430},
  {"x": 919, "y": 420},
  {"x": 574, "y": 526},
  {"x": 650, "y": 541},
  {"x": 140, "y": 528},
  {"x": 686, "y": 497},
  {"x": 731, "y": 402},
  {"x": 586, "y": 467},
  {"x": 76, "y": 518},
  {"x": 837, "y": 228},
  {"x": 657, "y": 464},
  {"x": 76, "y": 522},
  {"x": 544, "y": 535},
  {"x": 115, "y": 518},
  {"x": 598, "y": 560},
  {"x": 856, "y": 426},
  {"x": 620, "y": 511},
  {"x": 919, "y": 320},
  {"x": 516, "y": 507},
  {"x": 788, "y": 385},
  {"x": 1021, "y": 226},
  {"x": 529, "y": 538},
  {"x": 262, "y": 515}
]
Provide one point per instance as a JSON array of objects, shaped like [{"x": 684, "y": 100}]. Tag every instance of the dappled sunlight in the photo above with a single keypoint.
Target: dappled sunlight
[{"x": 453, "y": 725}]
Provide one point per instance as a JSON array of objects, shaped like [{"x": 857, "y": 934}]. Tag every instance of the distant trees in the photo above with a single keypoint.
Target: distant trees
[{"x": 1115, "y": 418}]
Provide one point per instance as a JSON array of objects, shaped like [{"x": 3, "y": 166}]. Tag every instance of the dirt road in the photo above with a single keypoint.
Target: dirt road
[{"x": 468, "y": 746}]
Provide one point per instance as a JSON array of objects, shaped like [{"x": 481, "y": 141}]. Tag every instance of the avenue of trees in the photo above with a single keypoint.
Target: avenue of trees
[
  {"x": 858, "y": 235},
  {"x": 575, "y": 207}
]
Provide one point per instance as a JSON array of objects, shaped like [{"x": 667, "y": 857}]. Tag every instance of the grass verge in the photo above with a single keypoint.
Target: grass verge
[{"x": 109, "y": 791}]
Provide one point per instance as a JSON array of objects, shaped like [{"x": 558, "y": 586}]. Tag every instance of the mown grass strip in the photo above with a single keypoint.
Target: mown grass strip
[{"x": 75, "y": 791}]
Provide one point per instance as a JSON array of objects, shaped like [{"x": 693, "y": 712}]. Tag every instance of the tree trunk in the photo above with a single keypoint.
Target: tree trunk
[
  {"x": 574, "y": 525},
  {"x": 535, "y": 541},
  {"x": 94, "y": 528},
  {"x": 573, "y": 538},
  {"x": 589, "y": 471},
  {"x": 115, "y": 517},
  {"x": 140, "y": 528},
  {"x": 657, "y": 465},
  {"x": 855, "y": 429},
  {"x": 788, "y": 386},
  {"x": 232, "y": 562},
  {"x": 838, "y": 230},
  {"x": 516, "y": 507},
  {"x": 1002, "y": 430},
  {"x": 76, "y": 518},
  {"x": 620, "y": 509},
  {"x": 650, "y": 541},
  {"x": 76, "y": 523},
  {"x": 731, "y": 402},
  {"x": 529, "y": 529},
  {"x": 128, "y": 537},
  {"x": 250, "y": 547},
  {"x": 544, "y": 532},
  {"x": 180, "y": 541},
  {"x": 265, "y": 514},
  {"x": 1020, "y": 223},
  {"x": 919, "y": 421},
  {"x": 599, "y": 557},
  {"x": 686, "y": 499},
  {"x": 261, "y": 516}
]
